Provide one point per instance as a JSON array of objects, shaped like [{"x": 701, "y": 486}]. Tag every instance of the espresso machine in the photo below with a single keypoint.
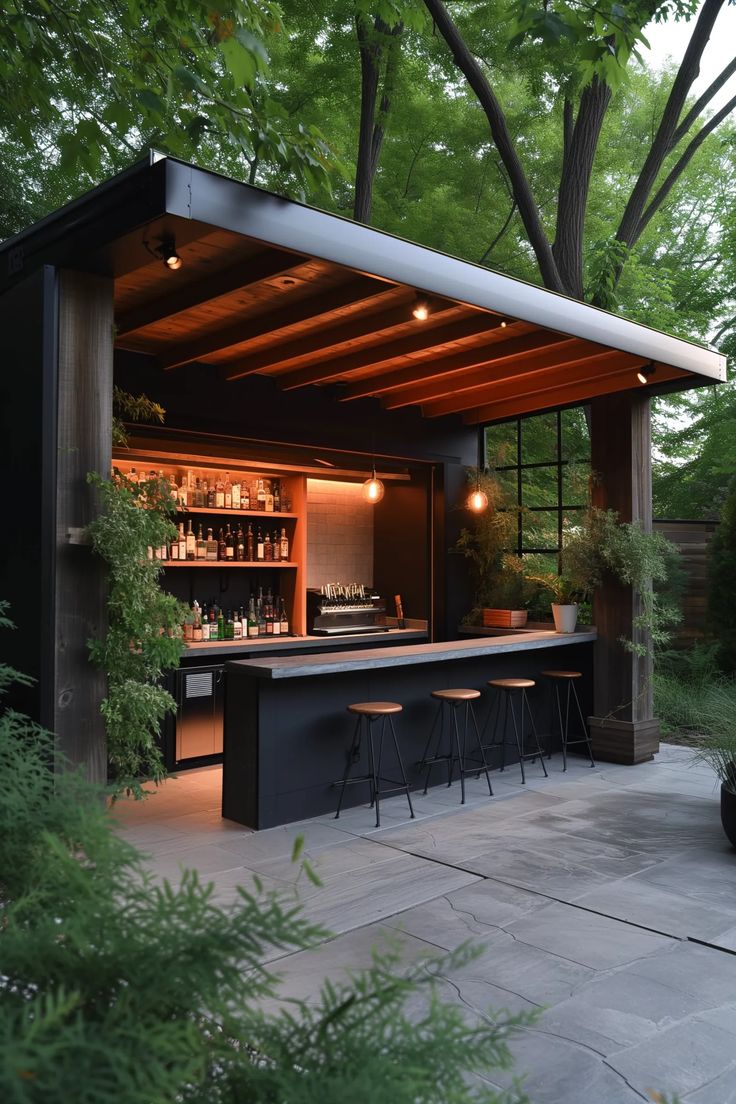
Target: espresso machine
[{"x": 337, "y": 610}]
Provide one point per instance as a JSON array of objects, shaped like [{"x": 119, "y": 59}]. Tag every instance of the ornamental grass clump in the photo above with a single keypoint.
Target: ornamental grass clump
[{"x": 118, "y": 989}]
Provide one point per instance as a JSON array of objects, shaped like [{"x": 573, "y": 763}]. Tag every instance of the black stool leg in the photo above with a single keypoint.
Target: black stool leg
[
  {"x": 507, "y": 704},
  {"x": 351, "y": 755},
  {"x": 481, "y": 749},
  {"x": 563, "y": 737},
  {"x": 519, "y": 741},
  {"x": 401, "y": 765},
  {"x": 586, "y": 733},
  {"x": 525, "y": 702},
  {"x": 374, "y": 772},
  {"x": 423, "y": 761},
  {"x": 459, "y": 755}
]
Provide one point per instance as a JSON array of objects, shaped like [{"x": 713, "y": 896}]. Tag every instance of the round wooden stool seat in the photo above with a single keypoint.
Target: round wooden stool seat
[
  {"x": 375, "y": 709},
  {"x": 456, "y": 695},
  {"x": 512, "y": 683},
  {"x": 563, "y": 674}
]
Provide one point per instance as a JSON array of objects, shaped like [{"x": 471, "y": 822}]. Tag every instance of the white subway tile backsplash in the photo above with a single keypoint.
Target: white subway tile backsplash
[{"x": 339, "y": 534}]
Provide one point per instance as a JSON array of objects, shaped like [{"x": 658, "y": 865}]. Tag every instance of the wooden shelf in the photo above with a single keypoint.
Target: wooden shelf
[
  {"x": 234, "y": 513},
  {"x": 229, "y": 563}
]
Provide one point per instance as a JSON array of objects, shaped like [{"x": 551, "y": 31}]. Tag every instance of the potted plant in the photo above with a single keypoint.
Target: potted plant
[{"x": 717, "y": 722}]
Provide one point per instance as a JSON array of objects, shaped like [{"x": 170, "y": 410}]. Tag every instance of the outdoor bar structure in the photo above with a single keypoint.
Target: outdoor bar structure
[{"x": 288, "y": 350}]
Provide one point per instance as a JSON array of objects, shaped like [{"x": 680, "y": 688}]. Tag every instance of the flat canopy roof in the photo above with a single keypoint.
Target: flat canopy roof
[{"x": 273, "y": 287}]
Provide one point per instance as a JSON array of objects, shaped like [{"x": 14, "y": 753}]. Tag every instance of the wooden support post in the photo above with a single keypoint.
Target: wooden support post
[
  {"x": 84, "y": 430},
  {"x": 623, "y": 729}
]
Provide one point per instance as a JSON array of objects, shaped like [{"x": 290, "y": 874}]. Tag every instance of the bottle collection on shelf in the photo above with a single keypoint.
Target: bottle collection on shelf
[
  {"x": 264, "y": 616},
  {"x": 239, "y": 546},
  {"x": 258, "y": 495}
]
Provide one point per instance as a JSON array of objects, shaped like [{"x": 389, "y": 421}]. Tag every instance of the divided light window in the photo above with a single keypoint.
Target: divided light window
[{"x": 543, "y": 464}]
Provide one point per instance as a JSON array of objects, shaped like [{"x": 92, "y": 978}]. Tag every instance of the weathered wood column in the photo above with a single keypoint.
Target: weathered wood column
[
  {"x": 623, "y": 727},
  {"x": 84, "y": 440}
]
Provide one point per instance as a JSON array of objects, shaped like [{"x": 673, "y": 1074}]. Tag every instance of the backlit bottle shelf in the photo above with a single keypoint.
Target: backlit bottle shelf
[
  {"x": 229, "y": 563},
  {"x": 186, "y": 510}
]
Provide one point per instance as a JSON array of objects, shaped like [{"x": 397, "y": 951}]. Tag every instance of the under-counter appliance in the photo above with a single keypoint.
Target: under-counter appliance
[
  {"x": 338, "y": 610},
  {"x": 199, "y": 711}
]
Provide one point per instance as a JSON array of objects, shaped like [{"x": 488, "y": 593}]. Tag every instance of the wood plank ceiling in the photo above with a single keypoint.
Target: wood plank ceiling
[{"x": 245, "y": 308}]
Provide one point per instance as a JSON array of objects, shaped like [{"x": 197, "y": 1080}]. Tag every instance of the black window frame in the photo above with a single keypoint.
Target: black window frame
[{"x": 559, "y": 464}]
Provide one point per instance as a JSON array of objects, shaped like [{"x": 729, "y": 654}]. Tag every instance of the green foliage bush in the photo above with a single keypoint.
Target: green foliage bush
[
  {"x": 143, "y": 634},
  {"x": 115, "y": 989}
]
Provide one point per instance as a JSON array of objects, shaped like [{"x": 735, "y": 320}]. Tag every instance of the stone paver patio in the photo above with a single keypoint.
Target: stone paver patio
[{"x": 606, "y": 896}]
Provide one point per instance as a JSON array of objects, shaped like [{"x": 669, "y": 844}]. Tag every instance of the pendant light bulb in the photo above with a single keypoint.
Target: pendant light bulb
[
  {"x": 478, "y": 501},
  {"x": 421, "y": 309},
  {"x": 373, "y": 489}
]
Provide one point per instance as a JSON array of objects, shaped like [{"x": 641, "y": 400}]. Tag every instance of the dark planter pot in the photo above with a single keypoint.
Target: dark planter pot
[{"x": 728, "y": 813}]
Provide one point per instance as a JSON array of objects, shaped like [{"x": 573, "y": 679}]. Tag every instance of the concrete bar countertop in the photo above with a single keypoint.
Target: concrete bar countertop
[
  {"x": 302, "y": 666},
  {"x": 225, "y": 648}
]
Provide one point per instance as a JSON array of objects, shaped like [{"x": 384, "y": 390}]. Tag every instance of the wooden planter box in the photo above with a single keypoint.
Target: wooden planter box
[{"x": 504, "y": 618}]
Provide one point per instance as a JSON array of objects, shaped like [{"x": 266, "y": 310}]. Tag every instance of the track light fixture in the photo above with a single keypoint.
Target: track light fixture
[
  {"x": 373, "y": 488},
  {"x": 644, "y": 374},
  {"x": 169, "y": 256},
  {"x": 420, "y": 310}
]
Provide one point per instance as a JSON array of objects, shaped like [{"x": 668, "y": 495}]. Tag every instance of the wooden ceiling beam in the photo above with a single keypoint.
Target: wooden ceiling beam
[
  {"x": 437, "y": 330},
  {"x": 563, "y": 395},
  {"x": 533, "y": 383},
  {"x": 198, "y": 291},
  {"x": 520, "y": 377},
  {"x": 454, "y": 362},
  {"x": 306, "y": 348},
  {"x": 362, "y": 289},
  {"x": 469, "y": 379}
]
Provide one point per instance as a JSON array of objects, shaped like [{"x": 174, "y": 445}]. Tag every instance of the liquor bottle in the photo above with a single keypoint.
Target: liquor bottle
[
  {"x": 240, "y": 543},
  {"x": 219, "y": 494},
  {"x": 276, "y": 484},
  {"x": 284, "y": 542},
  {"x": 221, "y": 546},
  {"x": 283, "y": 618},
  {"x": 237, "y": 625},
  {"x": 214, "y": 626},
  {"x": 173, "y": 489},
  {"x": 249, "y": 549},
  {"x": 191, "y": 542},
  {"x": 261, "y": 495},
  {"x": 183, "y": 493},
  {"x": 236, "y": 494},
  {"x": 269, "y": 497},
  {"x": 245, "y": 495},
  {"x": 210, "y": 546},
  {"x": 201, "y": 544},
  {"x": 252, "y": 619},
  {"x": 229, "y": 626},
  {"x": 198, "y": 496},
  {"x": 190, "y": 480},
  {"x": 268, "y": 617},
  {"x": 220, "y": 625},
  {"x": 182, "y": 542},
  {"x": 268, "y": 548},
  {"x": 228, "y": 492},
  {"x": 174, "y": 551},
  {"x": 197, "y": 627},
  {"x": 244, "y": 622},
  {"x": 229, "y": 544},
  {"x": 276, "y": 618},
  {"x": 164, "y": 553},
  {"x": 260, "y": 552},
  {"x": 133, "y": 475},
  {"x": 261, "y": 613},
  {"x": 205, "y": 630},
  {"x": 210, "y": 491},
  {"x": 276, "y": 545}
]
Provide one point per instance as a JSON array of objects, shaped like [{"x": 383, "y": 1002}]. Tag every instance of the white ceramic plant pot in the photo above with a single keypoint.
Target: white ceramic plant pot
[{"x": 565, "y": 617}]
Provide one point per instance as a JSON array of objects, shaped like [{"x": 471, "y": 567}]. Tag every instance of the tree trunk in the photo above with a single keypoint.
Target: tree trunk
[
  {"x": 577, "y": 169},
  {"x": 375, "y": 42}
]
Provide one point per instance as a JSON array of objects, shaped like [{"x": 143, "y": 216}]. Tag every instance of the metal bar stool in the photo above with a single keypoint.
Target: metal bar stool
[
  {"x": 507, "y": 688},
  {"x": 569, "y": 677},
  {"x": 367, "y": 714},
  {"x": 450, "y": 703}
]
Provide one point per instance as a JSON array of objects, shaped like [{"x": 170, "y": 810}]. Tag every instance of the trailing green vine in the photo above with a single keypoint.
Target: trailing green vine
[
  {"x": 143, "y": 638},
  {"x": 133, "y": 408}
]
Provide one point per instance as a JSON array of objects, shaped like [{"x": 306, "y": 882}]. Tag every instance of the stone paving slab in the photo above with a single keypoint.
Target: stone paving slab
[{"x": 584, "y": 892}]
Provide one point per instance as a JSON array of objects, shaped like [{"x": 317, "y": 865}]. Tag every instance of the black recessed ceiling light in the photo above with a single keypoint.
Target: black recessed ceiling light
[
  {"x": 168, "y": 254},
  {"x": 420, "y": 310},
  {"x": 645, "y": 374}
]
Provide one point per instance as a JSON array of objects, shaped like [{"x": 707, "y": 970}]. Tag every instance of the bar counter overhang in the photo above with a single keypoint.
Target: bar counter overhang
[{"x": 289, "y": 328}]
